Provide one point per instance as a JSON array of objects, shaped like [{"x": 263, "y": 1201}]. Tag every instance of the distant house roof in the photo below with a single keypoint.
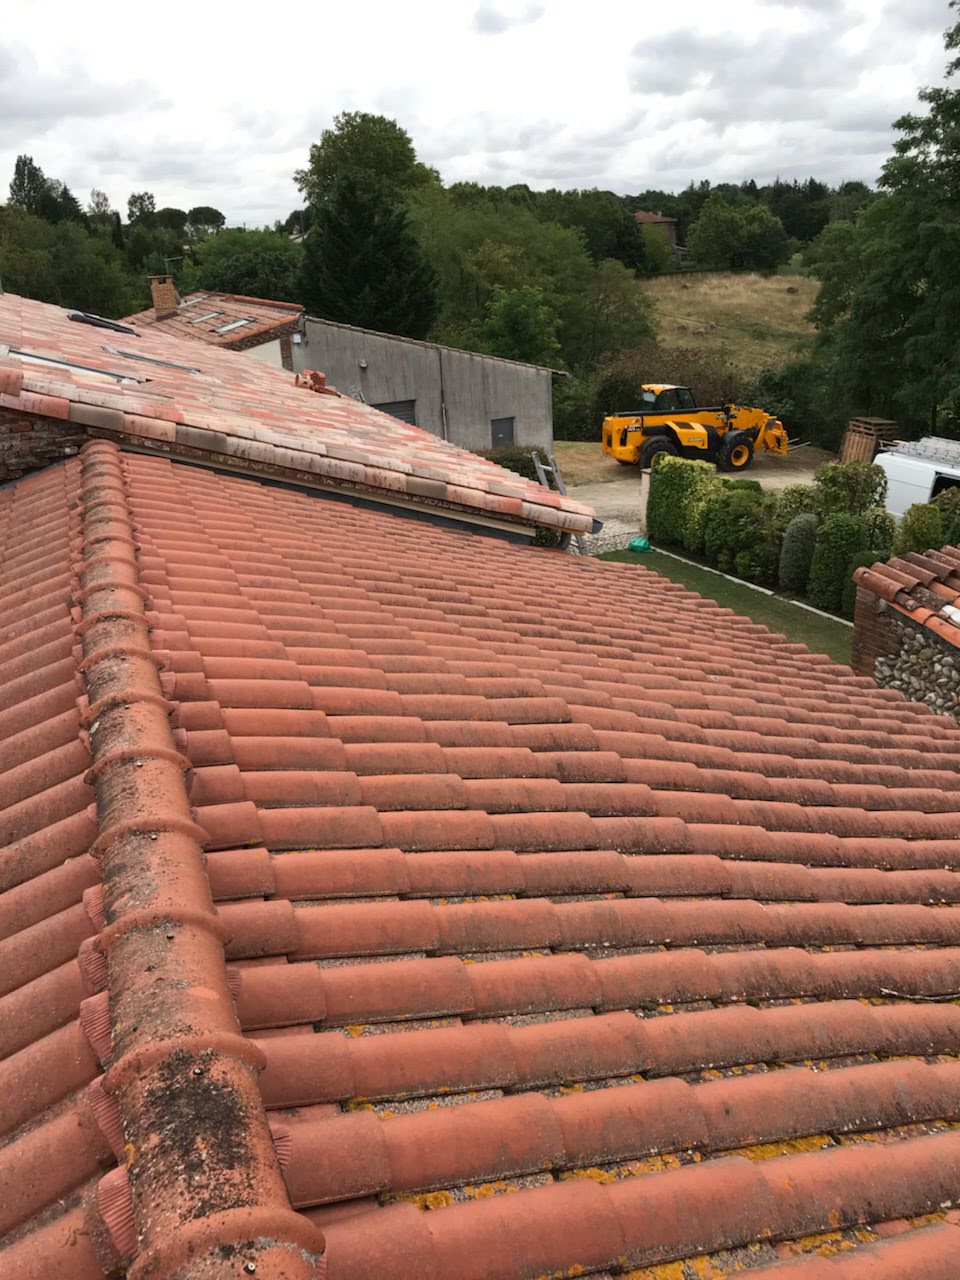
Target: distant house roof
[
  {"x": 924, "y": 588},
  {"x": 188, "y": 399},
  {"x": 642, "y": 215},
  {"x": 438, "y": 346},
  {"x": 224, "y": 319}
]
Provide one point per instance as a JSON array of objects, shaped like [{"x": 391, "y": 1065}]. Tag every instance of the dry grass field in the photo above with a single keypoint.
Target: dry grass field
[{"x": 751, "y": 319}]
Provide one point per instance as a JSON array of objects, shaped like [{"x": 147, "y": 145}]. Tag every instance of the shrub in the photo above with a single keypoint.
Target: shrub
[
  {"x": 679, "y": 490},
  {"x": 920, "y": 529},
  {"x": 864, "y": 559},
  {"x": 795, "y": 500},
  {"x": 730, "y": 525},
  {"x": 879, "y": 528},
  {"x": 839, "y": 539},
  {"x": 948, "y": 502},
  {"x": 796, "y": 554},
  {"x": 742, "y": 482},
  {"x": 849, "y": 488},
  {"x": 758, "y": 561},
  {"x": 514, "y": 458}
]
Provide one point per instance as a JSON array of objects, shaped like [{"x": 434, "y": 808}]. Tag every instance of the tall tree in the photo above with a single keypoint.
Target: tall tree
[
  {"x": 28, "y": 189},
  {"x": 370, "y": 151},
  {"x": 363, "y": 266},
  {"x": 204, "y": 219},
  {"x": 889, "y": 308},
  {"x": 170, "y": 219},
  {"x": 142, "y": 207}
]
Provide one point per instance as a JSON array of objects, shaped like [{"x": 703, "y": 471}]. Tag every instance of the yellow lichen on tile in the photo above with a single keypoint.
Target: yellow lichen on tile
[
  {"x": 427, "y": 1199},
  {"x": 789, "y": 1147}
]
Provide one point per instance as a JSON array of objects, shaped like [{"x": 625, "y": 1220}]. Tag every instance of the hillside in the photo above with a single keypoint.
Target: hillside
[{"x": 751, "y": 318}]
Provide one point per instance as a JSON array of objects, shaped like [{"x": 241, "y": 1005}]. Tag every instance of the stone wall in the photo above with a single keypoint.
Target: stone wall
[{"x": 926, "y": 669}]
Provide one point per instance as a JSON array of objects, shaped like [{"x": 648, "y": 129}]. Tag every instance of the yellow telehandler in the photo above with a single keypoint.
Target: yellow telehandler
[{"x": 669, "y": 421}]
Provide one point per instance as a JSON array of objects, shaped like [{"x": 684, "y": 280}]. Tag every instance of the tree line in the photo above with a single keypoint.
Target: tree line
[{"x": 557, "y": 277}]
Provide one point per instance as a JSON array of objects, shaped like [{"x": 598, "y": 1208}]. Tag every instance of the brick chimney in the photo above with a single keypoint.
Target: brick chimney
[{"x": 165, "y": 296}]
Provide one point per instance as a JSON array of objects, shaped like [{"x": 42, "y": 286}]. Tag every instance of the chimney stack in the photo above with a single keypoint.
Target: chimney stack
[{"x": 165, "y": 296}]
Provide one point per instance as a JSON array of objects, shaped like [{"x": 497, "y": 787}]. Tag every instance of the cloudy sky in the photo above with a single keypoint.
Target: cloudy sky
[{"x": 217, "y": 104}]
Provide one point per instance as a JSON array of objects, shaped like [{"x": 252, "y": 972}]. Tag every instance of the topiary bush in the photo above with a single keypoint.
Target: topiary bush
[
  {"x": 796, "y": 553},
  {"x": 839, "y": 538},
  {"x": 679, "y": 490},
  {"x": 879, "y": 527},
  {"x": 863, "y": 560},
  {"x": 795, "y": 500},
  {"x": 921, "y": 529},
  {"x": 849, "y": 487},
  {"x": 948, "y": 503}
]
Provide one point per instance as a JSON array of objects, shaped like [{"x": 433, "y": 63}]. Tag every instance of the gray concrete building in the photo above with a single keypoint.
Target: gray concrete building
[{"x": 476, "y": 401}]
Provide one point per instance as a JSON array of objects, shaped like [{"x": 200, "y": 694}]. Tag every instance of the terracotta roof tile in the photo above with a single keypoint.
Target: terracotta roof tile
[
  {"x": 161, "y": 391},
  {"x": 924, "y": 588},
  {"x": 525, "y": 931}
]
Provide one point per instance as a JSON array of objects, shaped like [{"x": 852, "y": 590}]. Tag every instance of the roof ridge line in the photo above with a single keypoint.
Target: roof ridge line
[{"x": 201, "y": 1173}]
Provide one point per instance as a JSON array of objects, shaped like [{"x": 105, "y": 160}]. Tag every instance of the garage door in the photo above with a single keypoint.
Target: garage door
[{"x": 405, "y": 410}]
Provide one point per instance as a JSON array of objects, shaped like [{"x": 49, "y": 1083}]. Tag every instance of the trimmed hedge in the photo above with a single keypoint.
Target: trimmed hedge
[
  {"x": 796, "y": 554},
  {"x": 849, "y": 488},
  {"x": 679, "y": 491},
  {"x": 921, "y": 529},
  {"x": 839, "y": 539},
  {"x": 948, "y": 502},
  {"x": 863, "y": 560},
  {"x": 796, "y": 500}
]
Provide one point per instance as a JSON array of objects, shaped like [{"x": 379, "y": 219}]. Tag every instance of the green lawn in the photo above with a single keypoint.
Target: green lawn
[{"x": 823, "y": 635}]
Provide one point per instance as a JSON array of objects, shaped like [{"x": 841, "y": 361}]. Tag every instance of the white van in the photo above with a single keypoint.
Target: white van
[{"x": 917, "y": 470}]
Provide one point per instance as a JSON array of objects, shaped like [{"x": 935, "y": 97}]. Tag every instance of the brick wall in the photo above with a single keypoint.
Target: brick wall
[
  {"x": 874, "y": 635},
  {"x": 28, "y": 442}
]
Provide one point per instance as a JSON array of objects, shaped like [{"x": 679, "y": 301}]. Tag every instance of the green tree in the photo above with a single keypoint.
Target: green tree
[
  {"x": 372, "y": 152},
  {"x": 142, "y": 207},
  {"x": 28, "y": 188},
  {"x": 174, "y": 220},
  {"x": 260, "y": 264},
  {"x": 657, "y": 254},
  {"x": 609, "y": 228},
  {"x": 890, "y": 307},
  {"x": 205, "y": 220},
  {"x": 63, "y": 264},
  {"x": 607, "y": 314},
  {"x": 363, "y": 265},
  {"x": 518, "y": 325},
  {"x": 724, "y": 237}
]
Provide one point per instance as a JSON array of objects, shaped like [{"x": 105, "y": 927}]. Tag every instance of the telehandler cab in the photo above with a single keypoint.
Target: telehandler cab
[{"x": 669, "y": 421}]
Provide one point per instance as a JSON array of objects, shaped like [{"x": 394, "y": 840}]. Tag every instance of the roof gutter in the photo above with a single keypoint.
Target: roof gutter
[{"x": 202, "y": 1194}]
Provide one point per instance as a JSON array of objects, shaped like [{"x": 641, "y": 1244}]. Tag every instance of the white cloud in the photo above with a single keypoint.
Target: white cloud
[
  {"x": 492, "y": 19},
  {"x": 204, "y": 111}
]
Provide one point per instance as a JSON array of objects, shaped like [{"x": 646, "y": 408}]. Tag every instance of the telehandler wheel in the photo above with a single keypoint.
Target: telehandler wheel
[
  {"x": 655, "y": 446},
  {"x": 735, "y": 455}
]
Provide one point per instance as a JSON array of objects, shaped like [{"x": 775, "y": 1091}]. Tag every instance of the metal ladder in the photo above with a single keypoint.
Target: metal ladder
[{"x": 548, "y": 474}]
